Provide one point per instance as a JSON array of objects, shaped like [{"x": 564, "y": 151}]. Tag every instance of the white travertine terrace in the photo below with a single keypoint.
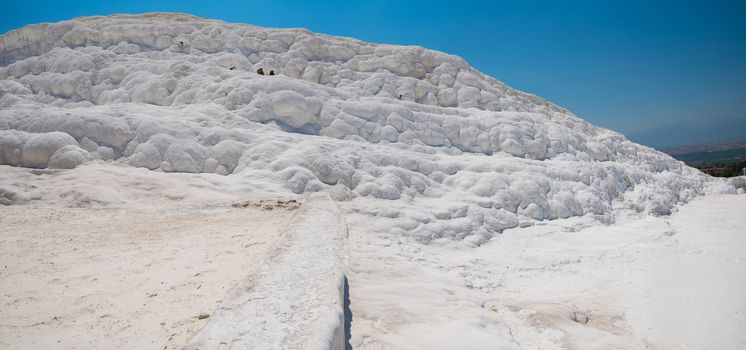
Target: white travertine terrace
[{"x": 461, "y": 154}]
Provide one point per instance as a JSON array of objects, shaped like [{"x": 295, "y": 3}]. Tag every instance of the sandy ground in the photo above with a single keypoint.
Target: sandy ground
[{"x": 77, "y": 278}]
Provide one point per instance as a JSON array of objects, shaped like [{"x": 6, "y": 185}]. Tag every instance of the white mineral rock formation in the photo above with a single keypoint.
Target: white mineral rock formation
[
  {"x": 176, "y": 93},
  {"x": 428, "y": 159}
]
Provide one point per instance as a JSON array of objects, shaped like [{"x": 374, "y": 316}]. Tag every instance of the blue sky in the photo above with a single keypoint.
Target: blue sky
[{"x": 626, "y": 65}]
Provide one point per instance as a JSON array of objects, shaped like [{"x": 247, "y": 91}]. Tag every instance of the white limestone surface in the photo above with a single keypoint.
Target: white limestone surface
[
  {"x": 419, "y": 134},
  {"x": 295, "y": 299},
  {"x": 429, "y": 159}
]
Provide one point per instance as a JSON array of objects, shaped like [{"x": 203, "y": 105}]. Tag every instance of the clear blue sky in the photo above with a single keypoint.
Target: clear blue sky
[{"x": 626, "y": 65}]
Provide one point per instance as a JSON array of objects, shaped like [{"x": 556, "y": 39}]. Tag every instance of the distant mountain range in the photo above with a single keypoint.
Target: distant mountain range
[
  {"x": 723, "y": 159},
  {"x": 711, "y": 147},
  {"x": 710, "y": 132}
]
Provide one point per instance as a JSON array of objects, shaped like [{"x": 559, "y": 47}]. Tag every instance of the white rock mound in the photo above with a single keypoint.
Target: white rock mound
[{"x": 438, "y": 147}]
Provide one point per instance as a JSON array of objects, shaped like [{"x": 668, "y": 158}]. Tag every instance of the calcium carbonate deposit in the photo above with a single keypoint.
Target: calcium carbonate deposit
[{"x": 417, "y": 147}]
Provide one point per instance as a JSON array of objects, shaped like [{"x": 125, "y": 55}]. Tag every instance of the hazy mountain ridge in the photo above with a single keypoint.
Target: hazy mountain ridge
[
  {"x": 691, "y": 132},
  {"x": 710, "y": 147}
]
